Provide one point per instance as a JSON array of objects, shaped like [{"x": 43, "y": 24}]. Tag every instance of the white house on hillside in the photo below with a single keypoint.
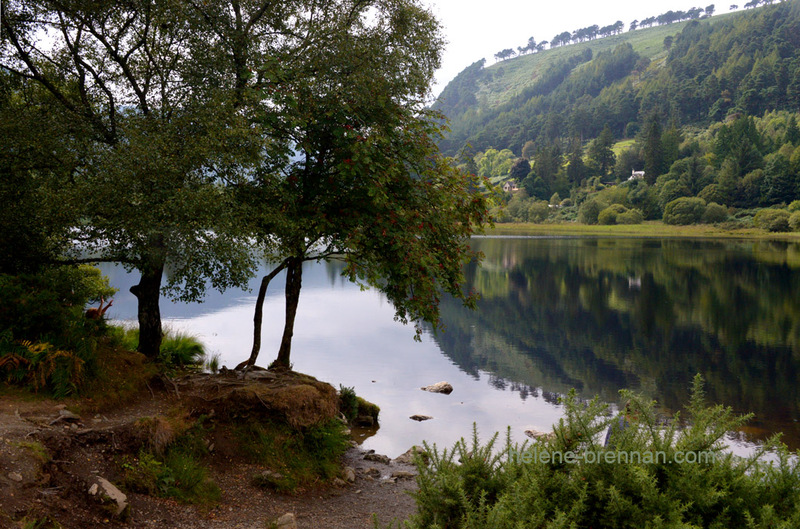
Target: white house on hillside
[
  {"x": 510, "y": 186},
  {"x": 636, "y": 175}
]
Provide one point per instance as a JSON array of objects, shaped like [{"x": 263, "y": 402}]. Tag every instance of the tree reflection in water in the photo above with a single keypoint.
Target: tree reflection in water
[{"x": 600, "y": 315}]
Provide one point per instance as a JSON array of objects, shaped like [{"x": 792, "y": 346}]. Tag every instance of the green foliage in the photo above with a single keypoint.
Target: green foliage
[
  {"x": 455, "y": 483},
  {"x": 181, "y": 350},
  {"x": 609, "y": 215},
  {"x": 213, "y": 363},
  {"x": 713, "y": 193},
  {"x": 46, "y": 342},
  {"x": 722, "y": 104},
  {"x": 49, "y": 305},
  {"x": 348, "y": 402},
  {"x": 368, "y": 408},
  {"x": 589, "y": 211},
  {"x": 300, "y": 457},
  {"x": 515, "y": 487},
  {"x": 538, "y": 211},
  {"x": 41, "y": 523},
  {"x": 178, "y": 350},
  {"x": 772, "y": 220},
  {"x": 632, "y": 216},
  {"x": 353, "y": 406},
  {"x": 684, "y": 210},
  {"x": 794, "y": 206},
  {"x": 177, "y": 472},
  {"x": 715, "y": 213},
  {"x": 42, "y": 366},
  {"x": 794, "y": 221}
]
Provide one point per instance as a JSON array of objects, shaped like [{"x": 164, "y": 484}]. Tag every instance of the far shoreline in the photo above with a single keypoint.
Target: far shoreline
[{"x": 649, "y": 229}]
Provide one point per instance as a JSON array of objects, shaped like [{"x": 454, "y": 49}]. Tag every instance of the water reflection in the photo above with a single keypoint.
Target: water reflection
[
  {"x": 604, "y": 314},
  {"x": 597, "y": 315}
]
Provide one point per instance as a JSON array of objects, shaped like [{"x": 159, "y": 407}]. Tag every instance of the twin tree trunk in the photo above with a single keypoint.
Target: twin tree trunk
[
  {"x": 148, "y": 292},
  {"x": 294, "y": 279}
]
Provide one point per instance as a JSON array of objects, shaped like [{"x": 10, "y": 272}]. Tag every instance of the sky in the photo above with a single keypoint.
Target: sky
[{"x": 476, "y": 30}]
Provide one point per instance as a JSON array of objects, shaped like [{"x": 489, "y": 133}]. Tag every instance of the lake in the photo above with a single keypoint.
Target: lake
[{"x": 594, "y": 314}]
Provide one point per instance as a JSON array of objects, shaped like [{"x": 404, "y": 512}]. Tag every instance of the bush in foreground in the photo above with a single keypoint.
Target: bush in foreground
[{"x": 475, "y": 486}]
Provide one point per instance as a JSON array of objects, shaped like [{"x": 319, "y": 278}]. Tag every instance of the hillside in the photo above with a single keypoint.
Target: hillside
[
  {"x": 620, "y": 80},
  {"x": 705, "y": 112}
]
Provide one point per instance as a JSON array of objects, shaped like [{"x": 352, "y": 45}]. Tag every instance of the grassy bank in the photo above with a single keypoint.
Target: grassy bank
[{"x": 647, "y": 229}]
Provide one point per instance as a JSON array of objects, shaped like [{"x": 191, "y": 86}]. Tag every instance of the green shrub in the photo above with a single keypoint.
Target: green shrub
[
  {"x": 715, "y": 213},
  {"x": 181, "y": 350},
  {"x": 49, "y": 305},
  {"x": 685, "y": 210},
  {"x": 42, "y": 366},
  {"x": 369, "y": 409},
  {"x": 348, "y": 402},
  {"x": 794, "y": 221},
  {"x": 609, "y": 215},
  {"x": 176, "y": 473},
  {"x": 538, "y": 211},
  {"x": 177, "y": 349},
  {"x": 713, "y": 193},
  {"x": 566, "y": 203},
  {"x": 299, "y": 457},
  {"x": 588, "y": 212},
  {"x": 632, "y": 216},
  {"x": 776, "y": 220},
  {"x": 641, "y": 484},
  {"x": 794, "y": 206}
]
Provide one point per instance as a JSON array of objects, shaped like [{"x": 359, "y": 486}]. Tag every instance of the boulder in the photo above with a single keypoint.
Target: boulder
[
  {"x": 407, "y": 458},
  {"x": 421, "y": 417},
  {"x": 108, "y": 494},
  {"x": 380, "y": 458},
  {"x": 439, "y": 387},
  {"x": 286, "y": 521}
]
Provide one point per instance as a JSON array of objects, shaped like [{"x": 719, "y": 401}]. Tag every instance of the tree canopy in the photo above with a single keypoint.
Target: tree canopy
[
  {"x": 367, "y": 184},
  {"x": 169, "y": 135}
]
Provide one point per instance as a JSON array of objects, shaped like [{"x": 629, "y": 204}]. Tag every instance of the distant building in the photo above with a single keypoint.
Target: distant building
[
  {"x": 636, "y": 175},
  {"x": 510, "y": 186}
]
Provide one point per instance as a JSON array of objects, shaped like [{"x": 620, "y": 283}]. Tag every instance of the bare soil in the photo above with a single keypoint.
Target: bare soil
[{"x": 48, "y": 459}]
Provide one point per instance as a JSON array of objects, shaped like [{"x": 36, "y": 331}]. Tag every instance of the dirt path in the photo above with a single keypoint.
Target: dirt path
[{"x": 49, "y": 458}]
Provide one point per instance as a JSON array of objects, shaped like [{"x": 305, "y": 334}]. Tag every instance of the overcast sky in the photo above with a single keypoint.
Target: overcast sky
[{"x": 476, "y": 30}]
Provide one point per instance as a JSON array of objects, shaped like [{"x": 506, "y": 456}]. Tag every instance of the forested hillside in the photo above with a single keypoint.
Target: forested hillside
[{"x": 706, "y": 108}]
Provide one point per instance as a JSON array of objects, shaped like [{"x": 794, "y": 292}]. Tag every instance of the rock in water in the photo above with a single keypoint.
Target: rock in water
[
  {"x": 439, "y": 387},
  {"x": 421, "y": 417}
]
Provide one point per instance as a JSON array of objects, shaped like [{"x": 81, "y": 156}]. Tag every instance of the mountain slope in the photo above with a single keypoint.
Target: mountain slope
[{"x": 743, "y": 62}]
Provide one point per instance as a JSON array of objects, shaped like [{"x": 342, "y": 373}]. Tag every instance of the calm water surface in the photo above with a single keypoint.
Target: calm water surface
[{"x": 597, "y": 315}]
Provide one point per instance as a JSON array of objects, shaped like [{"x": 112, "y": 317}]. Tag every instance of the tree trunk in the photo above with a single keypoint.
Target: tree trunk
[
  {"x": 259, "y": 315},
  {"x": 148, "y": 292},
  {"x": 294, "y": 273}
]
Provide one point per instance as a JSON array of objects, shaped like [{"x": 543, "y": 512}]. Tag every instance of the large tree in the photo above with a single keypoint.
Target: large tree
[
  {"x": 153, "y": 127},
  {"x": 366, "y": 183}
]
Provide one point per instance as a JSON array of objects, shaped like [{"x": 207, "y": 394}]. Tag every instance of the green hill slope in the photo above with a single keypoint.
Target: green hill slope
[{"x": 746, "y": 61}]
